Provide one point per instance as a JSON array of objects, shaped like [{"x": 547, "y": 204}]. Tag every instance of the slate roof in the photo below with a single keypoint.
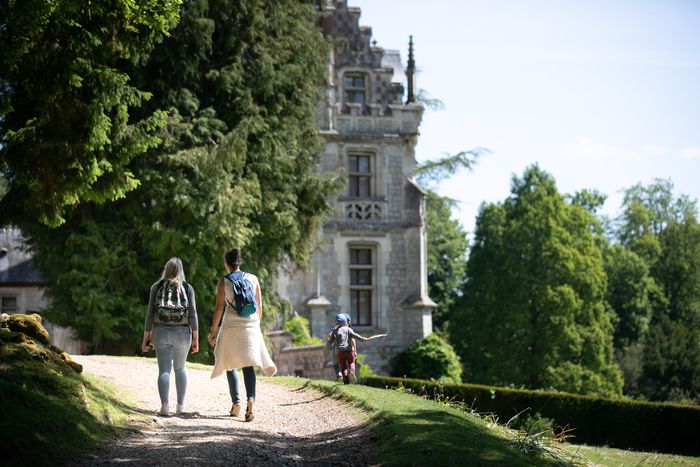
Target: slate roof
[{"x": 24, "y": 273}]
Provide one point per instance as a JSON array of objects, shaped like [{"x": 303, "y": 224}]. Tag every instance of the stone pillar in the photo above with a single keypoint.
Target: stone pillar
[{"x": 317, "y": 314}]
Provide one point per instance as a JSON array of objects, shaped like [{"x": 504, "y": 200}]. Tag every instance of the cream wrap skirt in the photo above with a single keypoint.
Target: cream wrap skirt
[{"x": 240, "y": 343}]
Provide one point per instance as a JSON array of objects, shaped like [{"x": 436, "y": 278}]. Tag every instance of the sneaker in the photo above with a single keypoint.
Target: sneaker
[
  {"x": 235, "y": 410},
  {"x": 164, "y": 410},
  {"x": 249, "y": 415},
  {"x": 180, "y": 409},
  {"x": 353, "y": 378}
]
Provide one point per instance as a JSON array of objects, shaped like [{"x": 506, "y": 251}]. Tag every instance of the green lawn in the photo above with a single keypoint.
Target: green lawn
[
  {"x": 413, "y": 431},
  {"x": 611, "y": 457}
]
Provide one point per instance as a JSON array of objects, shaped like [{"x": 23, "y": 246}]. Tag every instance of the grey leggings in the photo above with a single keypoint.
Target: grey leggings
[{"x": 172, "y": 346}]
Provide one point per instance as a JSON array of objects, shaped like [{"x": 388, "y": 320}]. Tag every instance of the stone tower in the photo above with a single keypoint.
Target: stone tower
[{"x": 371, "y": 256}]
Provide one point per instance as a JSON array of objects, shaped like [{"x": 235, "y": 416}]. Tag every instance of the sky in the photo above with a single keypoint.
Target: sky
[{"x": 601, "y": 94}]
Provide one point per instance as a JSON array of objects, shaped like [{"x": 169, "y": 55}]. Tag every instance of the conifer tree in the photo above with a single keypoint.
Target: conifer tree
[
  {"x": 237, "y": 166},
  {"x": 67, "y": 132},
  {"x": 533, "y": 312}
]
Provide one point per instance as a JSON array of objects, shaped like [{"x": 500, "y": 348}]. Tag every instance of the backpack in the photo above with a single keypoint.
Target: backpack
[
  {"x": 171, "y": 304},
  {"x": 243, "y": 293}
]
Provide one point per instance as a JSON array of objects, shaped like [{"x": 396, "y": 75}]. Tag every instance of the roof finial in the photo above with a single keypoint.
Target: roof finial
[{"x": 411, "y": 73}]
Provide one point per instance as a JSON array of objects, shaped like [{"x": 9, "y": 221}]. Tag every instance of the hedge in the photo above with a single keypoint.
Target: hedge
[{"x": 624, "y": 424}]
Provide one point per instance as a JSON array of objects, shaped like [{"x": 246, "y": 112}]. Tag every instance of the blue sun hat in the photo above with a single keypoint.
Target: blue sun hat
[{"x": 341, "y": 318}]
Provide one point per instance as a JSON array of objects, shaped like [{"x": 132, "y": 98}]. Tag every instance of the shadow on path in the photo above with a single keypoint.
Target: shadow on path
[{"x": 207, "y": 444}]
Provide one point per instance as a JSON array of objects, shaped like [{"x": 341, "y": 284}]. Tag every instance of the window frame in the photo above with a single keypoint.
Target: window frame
[
  {"x": 353, "y": 89},
  {"x": 355, "y": 175},
  {"x": 11, "y": 310},
  {"x": 357, "y": 290}
]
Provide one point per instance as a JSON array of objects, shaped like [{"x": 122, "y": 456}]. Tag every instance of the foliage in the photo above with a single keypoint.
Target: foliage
[
  {"x": 363, "y": 369},
  {"x": 532, "y": 423},
  {"x": 300, "y": 329},
  {"x": 410, "y": 430},
  {"x": 631, "y": 294},
  {"x": 647, "y": 211},
  {"x": 429, "y": 358},
  {"x": 671, "y": 362},
  {"x": 664, "y": 232},
  {"x": 49, "y": 413},
  {"x": 447, "y": 257},
  {"x": 600, "y": 421},
  {"x": 237, "y": 166},
  {"x": 433, "y": 172},
  {"x": 67, "y": 132},
  {"x": 533, "y": 312}
]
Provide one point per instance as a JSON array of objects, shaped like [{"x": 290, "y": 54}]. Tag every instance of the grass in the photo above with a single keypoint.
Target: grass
[
  {"x": 49, "y": 413},
  {"x": 621, "y": 458},
  {"x": 413, "y": 431}
]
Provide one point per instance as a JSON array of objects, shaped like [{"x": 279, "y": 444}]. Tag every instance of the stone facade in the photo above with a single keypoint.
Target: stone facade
[{"x": 370, "y": 260}]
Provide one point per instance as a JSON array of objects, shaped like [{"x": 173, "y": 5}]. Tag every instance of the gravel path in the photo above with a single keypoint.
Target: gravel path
[{"x": 291, "y": 427}]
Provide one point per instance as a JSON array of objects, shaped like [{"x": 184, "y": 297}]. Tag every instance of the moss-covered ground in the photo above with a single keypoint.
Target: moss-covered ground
[{"x": 49, "y": 411}]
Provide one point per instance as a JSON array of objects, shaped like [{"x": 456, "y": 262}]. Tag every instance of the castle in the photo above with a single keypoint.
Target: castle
[{"x": 371, "y": 258}]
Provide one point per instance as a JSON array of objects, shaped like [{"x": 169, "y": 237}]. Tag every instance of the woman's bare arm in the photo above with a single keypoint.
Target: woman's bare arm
[
  {"x": 258, "y": 301},
  {"x": 218, "y": 312}
]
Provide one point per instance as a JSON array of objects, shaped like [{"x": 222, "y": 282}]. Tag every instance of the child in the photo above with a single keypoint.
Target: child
[
  {"x": 331, "y": 344},
  {"x": 343, "y": 347}
]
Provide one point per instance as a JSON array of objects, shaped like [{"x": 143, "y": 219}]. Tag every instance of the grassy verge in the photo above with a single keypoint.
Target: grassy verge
[
  {"x": 414, "y": 431},
  {"x": 49, "y": 412},
  {"x": 622, "y": 458},
  {"x": 411, "y": 430}
]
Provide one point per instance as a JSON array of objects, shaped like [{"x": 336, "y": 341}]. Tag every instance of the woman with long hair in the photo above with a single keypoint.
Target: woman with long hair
[
  {"x": 172, "y": 327},
  {"x": 239, "y": 341}
]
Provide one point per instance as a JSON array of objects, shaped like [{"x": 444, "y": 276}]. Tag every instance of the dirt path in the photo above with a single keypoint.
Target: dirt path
[{"x": 291, "y": 427}]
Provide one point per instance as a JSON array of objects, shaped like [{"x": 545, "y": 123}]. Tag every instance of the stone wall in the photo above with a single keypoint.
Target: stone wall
[{"x": 308, "y": 362}]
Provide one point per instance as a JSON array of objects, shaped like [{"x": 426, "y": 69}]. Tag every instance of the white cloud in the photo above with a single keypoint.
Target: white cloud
[{"x": 690, "y": 153}]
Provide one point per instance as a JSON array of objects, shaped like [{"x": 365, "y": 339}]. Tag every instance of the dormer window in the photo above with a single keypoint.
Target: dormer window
[
  {"x": 355, "y": 88},
  {"x": 360, "y": 175}
]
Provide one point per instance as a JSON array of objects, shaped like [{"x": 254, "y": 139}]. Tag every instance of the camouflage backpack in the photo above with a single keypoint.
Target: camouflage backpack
[{"x": 171, "y": 304}]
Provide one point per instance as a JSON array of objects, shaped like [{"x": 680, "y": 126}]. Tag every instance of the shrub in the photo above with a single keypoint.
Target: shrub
[
  {"x": 301, "y": 332},
  {"x": 363, "y": 369},
  {"x": 429, "y": 358},
  {"x": 599, "y": 421}
]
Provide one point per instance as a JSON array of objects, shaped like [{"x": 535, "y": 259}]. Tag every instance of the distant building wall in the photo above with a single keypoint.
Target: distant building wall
[{"x": 21, "y": 288}]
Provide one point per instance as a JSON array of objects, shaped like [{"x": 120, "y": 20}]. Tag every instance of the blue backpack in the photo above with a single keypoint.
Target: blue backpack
[{"x": 243, "y": 293}]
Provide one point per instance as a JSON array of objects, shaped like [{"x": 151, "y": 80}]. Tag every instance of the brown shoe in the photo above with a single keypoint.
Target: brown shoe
[
  {"x": 249, "y": 415},
  {"x": 235, "y": 410}
]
